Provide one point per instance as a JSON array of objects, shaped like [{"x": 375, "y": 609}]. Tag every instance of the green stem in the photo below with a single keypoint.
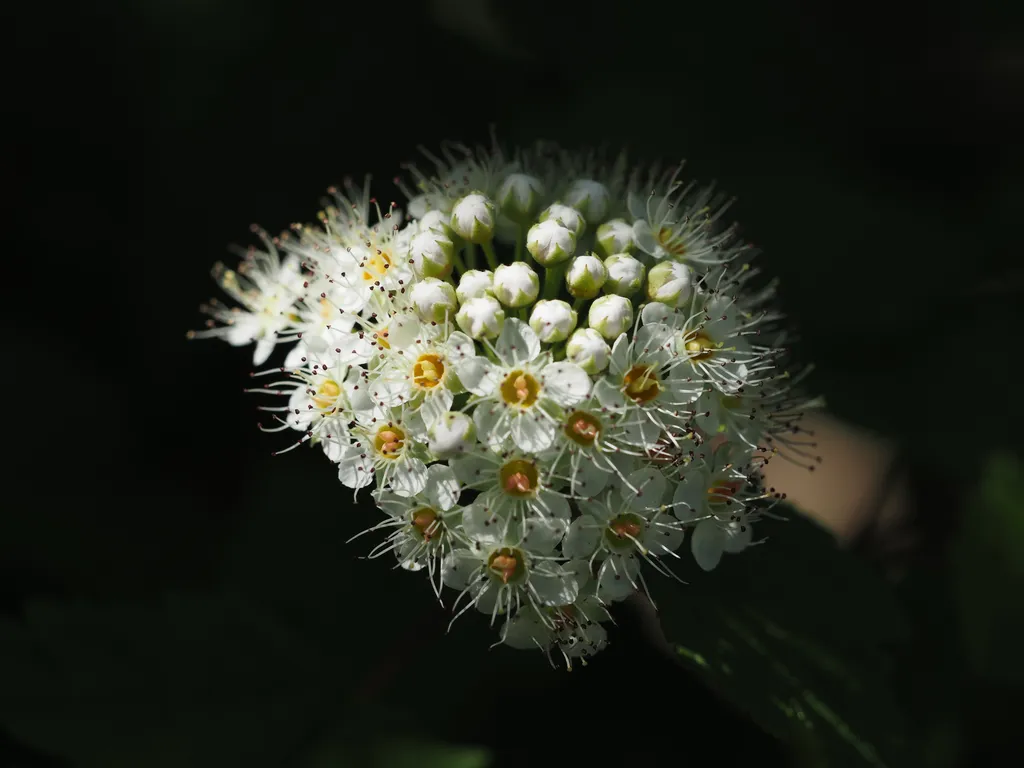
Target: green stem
[
  {"x": 489, "y": 353},
  {"x": 558, "y": 351},
  {"x": 471, "y": 255},
  {"x": 553, "y": 278},
  {"x": 492, "y": 257},
  {"x": 460, "y": 266},
  {"x": 578, "y": 303},
  {"x": 521, "y": 312}
]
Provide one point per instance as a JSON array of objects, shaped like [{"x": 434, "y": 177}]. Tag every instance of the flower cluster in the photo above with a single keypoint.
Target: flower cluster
[{"x": 549, "y": 375}]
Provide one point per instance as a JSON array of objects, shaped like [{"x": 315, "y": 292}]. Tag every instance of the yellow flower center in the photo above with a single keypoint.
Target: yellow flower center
[
  {"x": 428, "y": 524},
  {"x": 326, "y": 394},
  {"x": 667, "y": 238},
  {"x": 381, "y": 337},
  {"x": 427, "y": 371},
  {"x": 519, "y": 478},
  {"x": 506, "y": 563},
  {"x": 520, "y": 388},
  {"x": 623, "y": 530},
  {"x": 641, "y": 383},
  {"x": 389, "y": 441},
  {"x": 376, "y": 265},
  {"x": 700, "y": 347},
  {"x": 582, "y": 428}
]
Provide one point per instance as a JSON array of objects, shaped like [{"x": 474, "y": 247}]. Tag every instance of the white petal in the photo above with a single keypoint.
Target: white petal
[
  {"x": 609, "y": 395},
  {"x": 478, "y": 375},
  {"x": 656, "y": 312},
  {"x": 591, "y": 477},
  {"x": 458, "y": 568},
  {"x": 650, "y": 487},
  {"x": 619, "y": 361},
  {"x": 294, "y": 357},
  {"x": 652, "y": 339},
  {"x": 553, "y": 586},
  {"x": 665, "y": 535},
  {"x": 354, "y": 471},
  {"x": 582, "y": 538},
  {"x": 481, "y": 524},
  {"x": 617, "y": 578},
  {"x": 403, "y": 330},
  {"x": 691, "y": 495},
  {"x": 738, "y": 536},
  {"x": 408, "y": 476},
  {"x": 492, "y": 427},
  {"x": 472, "y": 471},
  {"x": 263, "y": 349},
  {"x": 707, "y": 543},
  {"x": 565, "y": 383},
  {"x": 551, "y": 504},
  {"x": 442, "y": 488},
  {"x": 517, "y": 344},
  {"x": 541, "y": 535},
  {"x": 531, "y": 432},
  {"x": 434, "y": 406},
  {"x": 460, "y": 346},
  {"x": 525, "y": 631}
]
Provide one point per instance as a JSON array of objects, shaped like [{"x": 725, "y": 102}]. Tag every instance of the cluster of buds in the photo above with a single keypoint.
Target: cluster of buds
[{"x": 548, "y": 376}]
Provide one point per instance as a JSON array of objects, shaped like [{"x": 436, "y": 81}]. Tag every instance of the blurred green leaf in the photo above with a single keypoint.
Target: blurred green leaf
[
  {"x": 801, "y": 636},
  {"x": 403, "y": 753},
  {"x": 988, "y": 573}
]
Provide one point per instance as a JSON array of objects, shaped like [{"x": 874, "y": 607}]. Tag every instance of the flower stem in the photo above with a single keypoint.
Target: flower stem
[
  {"x": 471, "y": 255},
  {"x": 492, "y": 257},
  {"x": 553, "y": 278},
  {"x": 460, "y": 266},
  {"x": 521, "y": 312},
  {"x": 578, "y": 303}
]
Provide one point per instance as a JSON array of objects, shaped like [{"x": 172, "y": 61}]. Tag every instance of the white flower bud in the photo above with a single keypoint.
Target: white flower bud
[
  {"x": 431, "y": 254},
  {"x": 435, "y": 220},
  {"x": 550, "y": 243},
  {"x": 452, "y": 435},
  {"x": 589, "y": 197},
  {"x": 669, "y": 282},
  {"x": 588, "y": 349},
  {"x": 625, "y": 274},
  {"x": 433, "y": 300},
  {"x": 585, "y": 276},
  {"x": 615, "y": 236},
  {"x": 473, "y": 218},
  {"x": 610, "y": 316},
  {"x": 552, "y": 320},
  {"x": 475, "y": 283},
  {"x": 516, "y": 284},
  {"x": 481, "y": 318},
  {"x": 519, "y": 195},
  {"x": 565, "y": 215}
]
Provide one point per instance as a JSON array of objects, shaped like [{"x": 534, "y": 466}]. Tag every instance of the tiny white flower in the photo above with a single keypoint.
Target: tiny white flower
[
  {"x": 625, "y": 274},
  {"x": 670, "y": 282},
  {"x": 550, "y": 243},
  {"x": 481, "y": 318},
  {"x": 567, "y": 216},
  {"x": 454, "y": 434},
  {"x": 615, "y": 236},
  {"x": 474, "y": 284},
  {"x": 552, "y": 320},
  {"x": 434, "y": 300},
  {"x": 585, "y": 276},
  {"x": 431, "y": 254},
  {"x": 516, "y": 284},
  {"x": 473, "y": 218},
  {"x": 590, "y": 198},
  {"x": 382, "y": 448},
  {"x": 611, "y": 316},
  {"x": 588, "y": 349},
  {"x": 519, "y": 196}
]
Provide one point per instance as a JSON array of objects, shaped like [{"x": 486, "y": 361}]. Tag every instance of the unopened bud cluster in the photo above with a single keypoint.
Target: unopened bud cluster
[{"x": 548, "y": 378}]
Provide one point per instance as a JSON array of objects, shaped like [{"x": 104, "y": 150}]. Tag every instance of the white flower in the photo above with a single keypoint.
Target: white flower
[
  {"x": 552, "y": 320},
  {"x": 382, "y": 448},
  {"x": 519, "y": 196},
  {"x": 454, "y": 434},
  {"x": 590, "y": 198},
  {"x": 516, "y": 284},
  {"x": 585, "y": 276},
  {"x": 431, "y": 254},
  {"x": 434, "y": 300},
  {"x": 615, "y": 236},
  {"x": 611, "y": 316},
  {"x": 567, "y": 216},
  {"x": 588, "y": 349},
  {"x": 481, "y": 318},
  {"x": 517, "y": 396},
  {"x": 474, "y": 284},
  {"x": 625, "y": 274},
  {"x": 473, "y": 218},
  {"x": 550, "y": 243},
  {"x": 670, "y": 282}
]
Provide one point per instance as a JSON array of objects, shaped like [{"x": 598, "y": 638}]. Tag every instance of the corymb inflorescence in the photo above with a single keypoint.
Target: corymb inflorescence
[{"x": 548, "y": 371}]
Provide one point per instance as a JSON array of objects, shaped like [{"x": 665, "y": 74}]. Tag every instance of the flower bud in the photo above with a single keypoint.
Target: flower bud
[
  {"x": 435, "y": 220},
  {"x": 669, "y": 282},
  {"x": 516, "y": 284},
  {"x": 473, "y": 218},
  {"x": 625, "y": 274},
  {"x": 475, "y": 283},
  {"x": 519, "y": 196},
  {"x": 589, "y": 197},
  {"x": 610, "y": 316},
  {"x": 552, "y": 320},
  {"x": 585, "y": 276},
  {"x": 615, "y": 236},
  {"x": 481, "y": 318},
  {"x": 550, "y": 243},
  {"x": 434, "y": 300},
  {"x": 431, "y": 254},
  {"x": 452, "y": 435},
  {"x": 565, "y": 215},
  {"x": 588, "y": 349}
]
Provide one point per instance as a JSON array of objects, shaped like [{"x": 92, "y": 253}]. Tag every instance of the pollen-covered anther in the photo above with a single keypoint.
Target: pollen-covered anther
[
  {"x": 519, "y": 478},
  {"x": 389, "y": 441},
  {"x": 506, "y": 564},
  {"x": 520, "y": 388},
  {"x": 582, "y": 428},
  {"x": 428, "y": 371},
  {"x": 427, "y": 523},
  {"x": 641, "y": 383}
]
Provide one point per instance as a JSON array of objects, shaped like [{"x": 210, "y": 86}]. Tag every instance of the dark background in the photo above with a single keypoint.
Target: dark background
[{"x": 873, "y": 148}]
